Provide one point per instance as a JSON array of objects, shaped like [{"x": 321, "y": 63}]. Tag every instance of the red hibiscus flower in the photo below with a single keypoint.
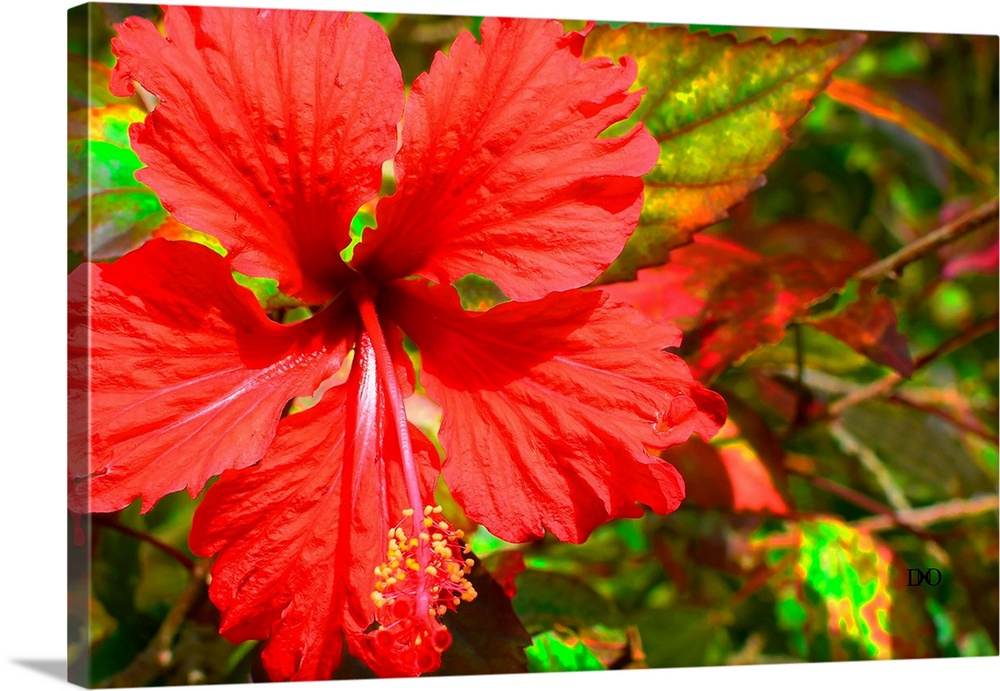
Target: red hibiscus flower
[{"x": 270, "y": 132}]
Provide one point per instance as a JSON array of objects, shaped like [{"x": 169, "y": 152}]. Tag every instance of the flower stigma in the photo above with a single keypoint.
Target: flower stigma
[{"x": 412, "y": 592}]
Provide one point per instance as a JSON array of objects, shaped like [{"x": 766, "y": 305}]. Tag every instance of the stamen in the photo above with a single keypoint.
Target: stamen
[{"x": 408, "y": 628}]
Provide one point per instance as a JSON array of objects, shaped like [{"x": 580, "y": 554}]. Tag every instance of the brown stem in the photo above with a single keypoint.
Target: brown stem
[
  {"x": 954, "y": 420},
  {"x": 108, "y": 522},
  {"x": 965, "y": 224},
  {"x": 957, "y": 341},
  {"x": 852, "y": 495},
  {"x": 946, "y": 510},
  {"x": 158, "y": 656},
  {"x": 887, "y": 383}
]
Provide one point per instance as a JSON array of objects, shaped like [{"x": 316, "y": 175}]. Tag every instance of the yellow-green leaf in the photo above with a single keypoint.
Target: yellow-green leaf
[{"x": 721, "y": 111}]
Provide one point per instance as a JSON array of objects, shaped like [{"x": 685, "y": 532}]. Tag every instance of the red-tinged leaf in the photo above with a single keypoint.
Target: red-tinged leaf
[
  {"x": 501, "y": 162},
  {"x": 721, "y": 111},
  {"x": 733, "y": 299},
  {"x": 297, "y": 537},
  {"x": 548, "y": 407},
  {"x": 270, "y": 132},
  {"x": 781, "y": 396},
  {"x": 731, "y": 476},
  {"x": 977, "y": 252},
  {"x": 868, "y": 325},
  {"x": 982, "y": 261},
  {"x": 885, "y": 107},
  {"x": 186, "y": 376}
]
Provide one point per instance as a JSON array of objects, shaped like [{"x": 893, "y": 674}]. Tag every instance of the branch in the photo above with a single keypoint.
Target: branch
[
  {"x": 975, "y": 428},
  {"x": 947, "y": 510},
  {"x": 963, "y": 225},
  {"x": 104, "y": 521},
  {"x": 158, "y": 657},
  {"x": 889, "y": 382}
]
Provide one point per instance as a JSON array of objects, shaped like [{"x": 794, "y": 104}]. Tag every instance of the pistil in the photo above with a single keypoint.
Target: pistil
[
  {"x": 364, "y": 295},
  {"x": 424, "y": 574}
]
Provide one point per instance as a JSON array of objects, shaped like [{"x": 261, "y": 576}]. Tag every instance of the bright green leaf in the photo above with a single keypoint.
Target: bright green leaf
[
  {"x": 843, "y": 596},
  {"x": 549, "y": 653}
]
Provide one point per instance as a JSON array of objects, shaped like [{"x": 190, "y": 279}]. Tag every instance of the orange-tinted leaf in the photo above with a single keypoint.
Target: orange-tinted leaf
[
  {"x": 868, "y": 325},
  {"x": 883, "y": 106},
  {"x": 720, "y": 111}
]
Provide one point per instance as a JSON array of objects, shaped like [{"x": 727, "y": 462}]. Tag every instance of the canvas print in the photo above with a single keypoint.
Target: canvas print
[{"x": 410, "y": 345}]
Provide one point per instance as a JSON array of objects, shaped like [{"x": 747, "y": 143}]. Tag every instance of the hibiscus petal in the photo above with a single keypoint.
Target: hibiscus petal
[
  {"x": 501, "y": 171},
  {"x": 186, "y": 376},
  {"x": 270, "y": 132},
  {"x": 549, "y": 405},
  {"x": 298, "y": 536}
]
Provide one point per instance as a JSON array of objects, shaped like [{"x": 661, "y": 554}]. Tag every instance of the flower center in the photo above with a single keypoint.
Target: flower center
[{"x": 412, "y": 596}]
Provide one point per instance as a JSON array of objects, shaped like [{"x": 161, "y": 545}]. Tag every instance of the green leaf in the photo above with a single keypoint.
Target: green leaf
[
  {"x": 721, "y": 111},
  {"x": 116, "y": 573},
  {"x": 122, "y": 211},
  {"x": 267, "y": 293},
  {"x": 479, "y": 294},
  {"x": 928, "y": 457},
  {"x": 844, "y": 596},
  {"x": 545, "y": 599},
  {"x": 683, "y": 637},
  {"x": 550, "y": 653}
]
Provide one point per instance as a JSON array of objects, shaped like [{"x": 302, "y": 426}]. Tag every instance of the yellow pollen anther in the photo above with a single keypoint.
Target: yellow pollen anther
[
  {"x": 459, "y": 534},
  {"x": 434, "y": 554},
  {"x": 407, "y": 512},
  {"x": 470, "y": 563}
]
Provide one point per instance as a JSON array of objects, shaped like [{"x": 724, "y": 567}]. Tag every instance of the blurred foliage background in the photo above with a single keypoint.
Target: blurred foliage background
[{"x": 862, "y": 439}]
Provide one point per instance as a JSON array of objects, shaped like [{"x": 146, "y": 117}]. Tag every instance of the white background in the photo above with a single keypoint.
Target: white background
[{"x": 32, "y": 330}]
